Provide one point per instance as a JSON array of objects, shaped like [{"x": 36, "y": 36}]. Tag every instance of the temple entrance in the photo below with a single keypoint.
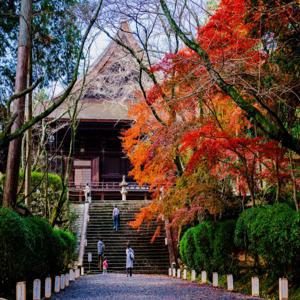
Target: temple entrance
[{"x": 82, "y": 172}]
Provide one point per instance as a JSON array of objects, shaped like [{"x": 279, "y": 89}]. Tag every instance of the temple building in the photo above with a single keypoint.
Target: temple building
[
  {"x": 105, "y": 94},
  {"x": 102, "y": 99}
]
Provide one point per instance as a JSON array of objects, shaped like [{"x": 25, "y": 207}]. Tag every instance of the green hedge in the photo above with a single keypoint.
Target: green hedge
[
  {"x": 203, "y": 239},
  {"x": 209, "y": 247},
  {"x": 224, "y": 258},
  {"x": 271, "y": 232},
  {"x": 30, "y": 248},
  {"x": 187, "y": 248}
]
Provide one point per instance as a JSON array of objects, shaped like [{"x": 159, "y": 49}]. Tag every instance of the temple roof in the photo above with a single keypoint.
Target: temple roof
[{"x": 110, "y": 84}]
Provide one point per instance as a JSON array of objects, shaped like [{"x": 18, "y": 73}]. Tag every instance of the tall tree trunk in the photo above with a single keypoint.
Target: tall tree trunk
[
  {"x": 171, "y": 248},
  {"x": 17, "y": 107},
  {"x": 28, "y": 136}
]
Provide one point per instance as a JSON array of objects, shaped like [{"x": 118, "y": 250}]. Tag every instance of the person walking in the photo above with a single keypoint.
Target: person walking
[
  {"x": 100, "y": 248},
  {"x": 87, "y": 192},
  {"x": 129, "y": 260},
  {"x": 116, "y": 218}
]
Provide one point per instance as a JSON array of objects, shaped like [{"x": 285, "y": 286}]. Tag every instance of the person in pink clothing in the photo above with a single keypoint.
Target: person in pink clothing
[{"x": 105, "y": 265}]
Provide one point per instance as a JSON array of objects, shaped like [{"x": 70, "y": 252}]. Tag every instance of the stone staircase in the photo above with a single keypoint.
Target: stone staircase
[{"x": 151, "y": 258}]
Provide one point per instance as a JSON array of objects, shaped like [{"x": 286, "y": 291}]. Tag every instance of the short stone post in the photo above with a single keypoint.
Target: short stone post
[
  {"x": 215, "y": 279},
  {"x": 57, "y": 284},
  {"x": 283, "y": 289},
  {"x": 173, "y": 269},
  {"x": 71, "y": 275},
  {"x": 62, "y": 282},
  {"x": 48, "y": 287},
  {"x": 255, "y": 286},
  {"x": 193, "y": 275},
  {"x": 82, "y": 271},
  {"x": 229, "y": 282},
  {"x": 77, "y": 273},
  {"x": 123, "y": 186},
  {"x": 170, "y": 272},
  {"x": 174, "y": 272},
  {"x": 36, "y": 289},
  {"x": 67, "y": 279},
  {"x": 21, "y": 290},
  {"x": 178, "y": 273},
  {"x": 184, "y": 273},
  {"x": 203, "y": 277}
]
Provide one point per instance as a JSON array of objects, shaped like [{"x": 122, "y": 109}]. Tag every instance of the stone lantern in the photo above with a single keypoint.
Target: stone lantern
[{"x": 123, "y": 186}]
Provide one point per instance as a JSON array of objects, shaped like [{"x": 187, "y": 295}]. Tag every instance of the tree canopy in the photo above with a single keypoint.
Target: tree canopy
[
  {"x": 55, "y": 38},
  {"x": 229, "y": 101}
]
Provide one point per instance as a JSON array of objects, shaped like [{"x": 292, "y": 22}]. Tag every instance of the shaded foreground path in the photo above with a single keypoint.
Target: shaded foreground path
[{"x": 119, "y": 287}]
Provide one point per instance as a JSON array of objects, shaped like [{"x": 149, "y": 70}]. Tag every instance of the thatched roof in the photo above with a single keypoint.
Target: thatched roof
[{"x": 110, "y": 84}]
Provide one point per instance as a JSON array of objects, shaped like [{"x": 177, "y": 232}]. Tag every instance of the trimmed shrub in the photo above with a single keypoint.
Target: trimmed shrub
[
  {"x": 65, "y": 244},
  {"x": 209, "y": 247},
  {"x": 224, "y": 259},
  {"x": 203, "y": 238},
  {"x": 242, "y": 230},
  {"x": 30, "y": 248},
  {"x": 182, "y": 248},
  {"x": 187, "y": 248},
  {"x": 272, "y": 233},
  {"x": 38, "y": 260},
  {"x": 15, "y": 249}
]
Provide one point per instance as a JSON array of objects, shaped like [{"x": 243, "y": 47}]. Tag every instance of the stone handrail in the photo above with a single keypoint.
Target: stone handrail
[{"x": 83, "y": 233}]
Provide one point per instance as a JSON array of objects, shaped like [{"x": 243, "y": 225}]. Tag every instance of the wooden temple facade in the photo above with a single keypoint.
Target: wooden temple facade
[{"x": 102, "y": 114}]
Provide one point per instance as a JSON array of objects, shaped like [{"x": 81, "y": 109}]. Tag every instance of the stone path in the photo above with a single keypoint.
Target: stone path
[{"x": 120, "y": 287}]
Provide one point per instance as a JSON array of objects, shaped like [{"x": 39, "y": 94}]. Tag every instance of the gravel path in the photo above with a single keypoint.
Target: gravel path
[{"x": 120, "y": 287}]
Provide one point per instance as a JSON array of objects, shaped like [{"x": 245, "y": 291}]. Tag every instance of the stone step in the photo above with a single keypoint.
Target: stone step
[{"x": 150, "y": 257}]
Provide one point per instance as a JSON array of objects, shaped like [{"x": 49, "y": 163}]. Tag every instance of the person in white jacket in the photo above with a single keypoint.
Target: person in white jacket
[{"x": 129, "y": 260}]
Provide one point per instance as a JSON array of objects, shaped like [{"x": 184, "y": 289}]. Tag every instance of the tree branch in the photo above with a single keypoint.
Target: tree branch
[
  {"x": 5, "y": 138},
  {"x": 24, "y": 92},
  {"x": 253, "y": 114}
]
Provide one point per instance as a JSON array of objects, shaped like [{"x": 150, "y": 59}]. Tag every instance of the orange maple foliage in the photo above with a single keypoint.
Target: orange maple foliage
[{"x": 221, "y": 153}]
